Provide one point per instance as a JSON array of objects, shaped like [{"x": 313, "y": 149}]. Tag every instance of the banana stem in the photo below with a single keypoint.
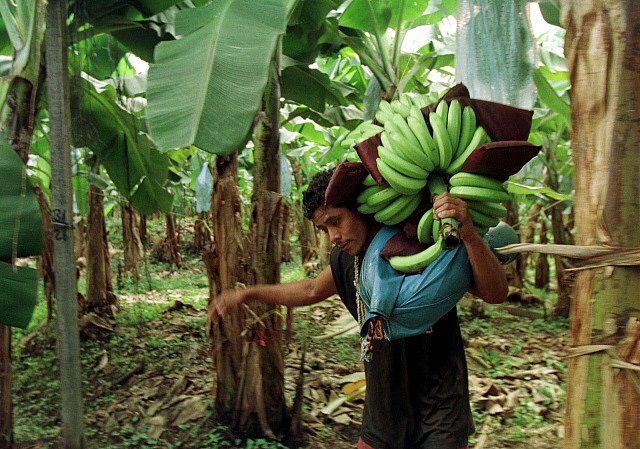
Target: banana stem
[
  {"x": 382, "y": 47},
  {"x": 449, "y": 229},
  {"x": 399, "y": 37}
]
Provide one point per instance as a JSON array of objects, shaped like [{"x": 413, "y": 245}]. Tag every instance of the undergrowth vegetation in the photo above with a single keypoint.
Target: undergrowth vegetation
[{"x": 156, "y": 355}]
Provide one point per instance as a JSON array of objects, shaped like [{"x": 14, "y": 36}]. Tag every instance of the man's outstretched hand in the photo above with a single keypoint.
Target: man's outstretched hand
[{"x": 225, "y": 303}]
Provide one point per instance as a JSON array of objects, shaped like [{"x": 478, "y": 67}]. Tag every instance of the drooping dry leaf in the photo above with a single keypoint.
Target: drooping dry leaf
[
  {"x": 190, "y": 410},
  {"x": 156, "y": 426}
]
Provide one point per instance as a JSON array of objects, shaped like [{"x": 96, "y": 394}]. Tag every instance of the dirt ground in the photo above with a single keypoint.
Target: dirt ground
[{"x": 155, "y": 386}]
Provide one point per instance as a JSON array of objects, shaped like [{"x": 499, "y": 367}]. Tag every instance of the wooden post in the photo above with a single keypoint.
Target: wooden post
[{"x": 61, "y": 204}]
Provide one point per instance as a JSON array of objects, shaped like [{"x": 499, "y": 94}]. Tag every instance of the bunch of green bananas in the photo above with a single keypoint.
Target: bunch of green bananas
[
  {"x": 484, "y": 196},
  {"x": 415, "y": 160}
]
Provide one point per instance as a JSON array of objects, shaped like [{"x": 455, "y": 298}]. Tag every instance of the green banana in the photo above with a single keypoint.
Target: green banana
[
  {"x": 479, "y": 194},
  {"x": 419, "y": 101},
  {"x": 382, "y": 197},
  {"x": 363, "y": 131},
  {"x": 482, "y": 230},
  {"x": 352, "y": 156},
  {"x": 467, "y": 129},
  {"x": 425, "y": 227},
  {"x": 443, "y": 110},
  {"x": 399, "y": 123},
  {"x": 482, "y": 220},
  {"x": 424, "y": 100},
  {"x": 435, "y": 230},
  {"x": 402, "y": 165},
  {"x": 442, "y": 139},
  {"x": 367, "y": 192},
  {"x": 382, "y": 116},
  {"x": 368, "y": 181},
  {"x": 428, "y": 147},
  {"x": 385, "y": 106},
  {"x": 494, "y": 209},
  {"x": 364, "y": 208},
  {"x": 402, "y": 183},
  {"x": 398, "y": 210},
  {"x": 416, "y": 262},
  {"x": 394, "y": 142},
  {"x": 472, "y": 179},
  {"x": 405, "y": 99},
  {"x": 454, "y": 124},
  {"x": 456, "y": 165},
  {"x": 400, "y": 108},
  {"x": 416, "y": 154}
]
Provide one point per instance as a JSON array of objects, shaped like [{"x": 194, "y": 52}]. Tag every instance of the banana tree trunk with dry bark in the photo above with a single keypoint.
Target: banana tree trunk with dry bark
[
  {"x": 306, "y": 231},
  {"x": 226, "y": 267},
  {"x": 201, "y": 233},
  {"x": 603, "y": 50},
  {"x": 262, "y": 387},
  {"x": 170, "y": 244},
  {"x": 563, "y": 277},
  {"x": 247, "y": 345},
  {"x": 101, "y": 299},
  {"x": 131, "y": 243}
]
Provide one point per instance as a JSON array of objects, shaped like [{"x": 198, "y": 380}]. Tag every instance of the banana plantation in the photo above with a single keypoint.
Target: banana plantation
[{"x": 155, "y": 153}]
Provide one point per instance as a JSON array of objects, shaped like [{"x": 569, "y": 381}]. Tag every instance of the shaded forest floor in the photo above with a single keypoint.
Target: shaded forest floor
[{"x": 148, "y": 374}]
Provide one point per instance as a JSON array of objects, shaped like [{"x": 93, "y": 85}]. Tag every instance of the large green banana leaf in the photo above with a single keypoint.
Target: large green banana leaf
[
  {"x": 18, "y": 293},
  {"x": 20, "y": 224},
  {"x": 206, "y": 87},
  {"x": 308, "y": 31},
  {"x": 116, "y": 138},
  {"x": 375, "y": 16},
  {"x": 138, "y": 25},
  {"x": 313, "y": 88},
  {"x": 21, "y": 236},
  {"x": 134, "y": 9}
]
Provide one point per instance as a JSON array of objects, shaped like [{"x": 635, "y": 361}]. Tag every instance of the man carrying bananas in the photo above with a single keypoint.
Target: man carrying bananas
[{"x": 417, "y": 388}]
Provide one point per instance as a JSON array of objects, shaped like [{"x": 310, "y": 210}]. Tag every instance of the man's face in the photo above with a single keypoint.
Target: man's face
[{"x": 347, "y": 229}]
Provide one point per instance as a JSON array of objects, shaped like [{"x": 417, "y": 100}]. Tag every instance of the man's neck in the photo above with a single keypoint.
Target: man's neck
[{"x": 372, "y": 230}]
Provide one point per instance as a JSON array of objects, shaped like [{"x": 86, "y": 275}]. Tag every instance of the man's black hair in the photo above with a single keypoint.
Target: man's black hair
[{"x": 313, "y": 197}]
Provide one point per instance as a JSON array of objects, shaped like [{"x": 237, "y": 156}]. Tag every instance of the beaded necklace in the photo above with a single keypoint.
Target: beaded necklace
[{"x": 375, "y": 330}]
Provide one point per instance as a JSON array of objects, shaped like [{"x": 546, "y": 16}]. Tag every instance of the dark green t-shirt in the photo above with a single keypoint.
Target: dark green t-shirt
[{"x": 417, "y": 387}]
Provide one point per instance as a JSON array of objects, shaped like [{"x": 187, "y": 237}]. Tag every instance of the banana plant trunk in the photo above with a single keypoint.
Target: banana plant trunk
[
  {"x": 226, "y": 267},
  {"x": 563, "y": 280},
  {"x": 46, "y": 259},
  {"x": 171, "y": 241},
  {"x": 602, "y": 47},
  {"x": 541, "y": 277},
  {"x": 201, "y": 233},
  {"x": 268, "y": 222},
  {"x": 132, "y": 245},
  {"x": 307, "y": 235},
  {"x": 100, "y": 296},
  {"x": 142, "y": 229}
]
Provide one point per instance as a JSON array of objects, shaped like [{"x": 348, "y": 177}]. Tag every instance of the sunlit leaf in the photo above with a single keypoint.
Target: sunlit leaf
[
  {"x": 206, "y": 87},
  {"x": 521, "y": 189}
]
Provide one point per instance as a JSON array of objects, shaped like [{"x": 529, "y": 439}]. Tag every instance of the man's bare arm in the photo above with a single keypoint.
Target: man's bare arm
[
  {"x": 300, "y": 293},
  {"x": 489, "y": 279}
]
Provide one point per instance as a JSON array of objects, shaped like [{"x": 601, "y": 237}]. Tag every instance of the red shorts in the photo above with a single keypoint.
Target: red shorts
[{"x": 363, "y": 445}]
